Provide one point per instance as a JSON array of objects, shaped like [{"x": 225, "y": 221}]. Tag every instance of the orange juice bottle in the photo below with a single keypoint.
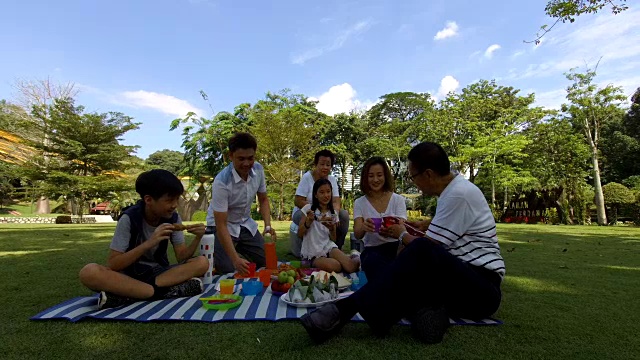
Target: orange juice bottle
[{"x": 270, "y": 254}]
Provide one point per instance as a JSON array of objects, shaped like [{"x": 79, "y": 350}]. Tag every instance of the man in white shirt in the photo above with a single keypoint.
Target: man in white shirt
[
  {"x": 454, "y": 270},
  {"x": 234, "y": 190},
  {"x": 323, "y": 162}
]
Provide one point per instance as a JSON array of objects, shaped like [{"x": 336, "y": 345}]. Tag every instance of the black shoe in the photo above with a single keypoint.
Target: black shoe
[
  {"x": 191, "y": 287},
  {"x": 429, "y": 325},
  {"x": 108, "y": 300},
  {"x": 323, "y": 323}
]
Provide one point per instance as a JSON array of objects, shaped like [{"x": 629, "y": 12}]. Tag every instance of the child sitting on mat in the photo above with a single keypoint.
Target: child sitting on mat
[
  {"x": 138, "y": 267},
  {"x": 317, "y": 228}
]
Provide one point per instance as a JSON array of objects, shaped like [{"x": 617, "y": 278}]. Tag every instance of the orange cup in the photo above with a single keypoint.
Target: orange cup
[
  {"x": 226, "y": 286},
  {"x": 265, "y": 277}
]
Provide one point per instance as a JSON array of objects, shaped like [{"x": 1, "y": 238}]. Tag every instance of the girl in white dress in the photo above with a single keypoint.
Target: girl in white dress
[{"x": 317, "y": 228}]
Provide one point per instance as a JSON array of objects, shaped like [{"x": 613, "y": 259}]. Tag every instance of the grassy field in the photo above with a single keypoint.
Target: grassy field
[
  {"x": 25, "y": 209},
  {"x": 570, "y": 293}
]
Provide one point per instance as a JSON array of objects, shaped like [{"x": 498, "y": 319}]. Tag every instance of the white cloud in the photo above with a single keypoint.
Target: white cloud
[
  {"x": 166, "y": 104},
  {"x": 551, "y": 99},
  {"x": 490, "y": 50},
  {"x": 517, "y": 54},
  {"x": 340, "y": 99},
  {"x": 450, "y": 30},
  {"x": 338, "y": 42},
  {"x": 447, "y": 85}
]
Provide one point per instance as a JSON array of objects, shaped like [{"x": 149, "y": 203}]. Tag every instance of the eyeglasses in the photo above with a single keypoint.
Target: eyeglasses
[{"x": 413, "y": 176}]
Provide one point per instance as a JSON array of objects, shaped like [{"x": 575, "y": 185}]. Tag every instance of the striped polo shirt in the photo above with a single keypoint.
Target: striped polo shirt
[{"x": 464, "y": 224}]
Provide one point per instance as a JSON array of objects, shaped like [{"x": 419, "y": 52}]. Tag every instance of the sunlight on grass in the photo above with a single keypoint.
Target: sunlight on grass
[
  {"x": 103, "y": 341},
  {"x": 614, "y": 267},
  {"x": 26, "y": 252},
  {"x": 535, "y": 285},
  {"x": 503, "y": 241}
]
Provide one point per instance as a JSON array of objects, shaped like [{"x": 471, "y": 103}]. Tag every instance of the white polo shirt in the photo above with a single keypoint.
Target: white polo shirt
[
  {"x": 465, "y": 225},
  {"x": 305, "y": 188},
  {"x": 233, "y": 195}
]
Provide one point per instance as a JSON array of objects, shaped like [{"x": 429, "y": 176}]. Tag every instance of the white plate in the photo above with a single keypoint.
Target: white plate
[
  {"x": 340, "y": 288},
  {"x": 285, "y": 299}
]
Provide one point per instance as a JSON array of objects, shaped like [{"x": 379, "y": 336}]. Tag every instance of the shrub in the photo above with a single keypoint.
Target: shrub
[
  {"x": 63, "y": 219},
  {"x": 551, "y": 214},
  {"x": 414, "y": 214},
  {"x": 199, "y": 216}
]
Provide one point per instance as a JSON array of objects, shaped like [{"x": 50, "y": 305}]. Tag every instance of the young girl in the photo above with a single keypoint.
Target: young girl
[{"x": 317, "y": 228}]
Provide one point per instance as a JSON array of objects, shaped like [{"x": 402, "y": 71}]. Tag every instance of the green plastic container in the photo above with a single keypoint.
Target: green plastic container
[{"x": 207, "y": 302}]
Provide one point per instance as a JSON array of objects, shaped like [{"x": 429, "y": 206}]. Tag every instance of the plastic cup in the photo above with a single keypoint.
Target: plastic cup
[
  {"x": 265, "y": 277},
  {"x": 377, "y": 223},
  {"x": 226, "y": 286},
  {"x": 252, "y": 270},
  {"x": 295, "y": 264}
]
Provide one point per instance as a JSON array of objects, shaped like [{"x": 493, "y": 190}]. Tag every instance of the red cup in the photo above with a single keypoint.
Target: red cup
[
  {"x": 252, "y": 270},
  {"x": 390, "y": 220}
]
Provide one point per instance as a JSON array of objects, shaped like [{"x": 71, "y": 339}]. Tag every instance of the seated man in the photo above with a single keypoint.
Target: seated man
[
  {"x": 456, "y": 270},
  {"x": 138, "y": 267},
  {"x": 323, "y": 163},
  {"x": 234, "y": 190}
]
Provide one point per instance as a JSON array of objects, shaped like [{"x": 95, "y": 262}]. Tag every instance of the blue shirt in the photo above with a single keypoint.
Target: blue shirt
[{"x": 233, "y": 195}]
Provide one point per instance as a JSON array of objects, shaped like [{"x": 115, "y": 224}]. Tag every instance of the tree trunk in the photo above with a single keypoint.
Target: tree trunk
[
  {"x": 472, "y": 176},
  {"x": 602, "y": 216},
  {"x": 43, "y": 205},
  {"x": 281, "y": 205},
  {"x": 505, "y": 204},
  {"x": 493, "y": 193}
]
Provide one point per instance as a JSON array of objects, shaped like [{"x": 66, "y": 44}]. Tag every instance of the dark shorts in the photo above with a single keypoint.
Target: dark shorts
[{"x": 146, "y": 273}]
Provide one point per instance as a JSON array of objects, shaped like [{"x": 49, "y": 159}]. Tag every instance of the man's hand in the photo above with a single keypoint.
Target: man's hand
[
  {"x": 196, "y": 229},
  {"x": 162, "y": 232},
  {"x": 420, "y": 225},
  {"x": 271, "y": 232},
  {"x": 368, "y": 225},
  {"x": 241, "y": 265},
  {"x": 392, "y": 231}
]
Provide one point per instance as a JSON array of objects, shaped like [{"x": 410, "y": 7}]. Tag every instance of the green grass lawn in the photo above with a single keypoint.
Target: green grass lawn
[
  {"x": 26, "y": 209},
  {"x": 570, "y": 292}
]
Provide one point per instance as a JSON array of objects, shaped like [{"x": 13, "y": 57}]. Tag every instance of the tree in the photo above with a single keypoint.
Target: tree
[
  {"x": 568, "y": 10},
  {"x": 83, "y": 158},
  {"x": 391, "y": 125},
  {"x": 284, "y": 126},
  {"x": 616, "y": 195},
  {"x": 590, "y": 109},
  {"x": 205, "y": 140},
  {"x": 557, "y": 158},
  {"x": 41, "y": 93},
  {"x": 169, "y": 160}
]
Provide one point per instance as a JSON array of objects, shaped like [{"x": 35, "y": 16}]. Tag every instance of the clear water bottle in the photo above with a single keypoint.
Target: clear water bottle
[{"x": 206, "y": 249}]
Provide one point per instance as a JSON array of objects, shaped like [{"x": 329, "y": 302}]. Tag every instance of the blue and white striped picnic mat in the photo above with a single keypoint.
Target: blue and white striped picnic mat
[{"x": 265, "y": 307}]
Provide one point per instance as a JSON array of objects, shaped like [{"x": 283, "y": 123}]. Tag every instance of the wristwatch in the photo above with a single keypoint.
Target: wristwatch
[
  {"x": 402, "y": 234},
  {"x": 267, "y": 228}
]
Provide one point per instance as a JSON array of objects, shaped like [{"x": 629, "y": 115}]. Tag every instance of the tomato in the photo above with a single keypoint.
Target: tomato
[{"x": 286, "y": 287}]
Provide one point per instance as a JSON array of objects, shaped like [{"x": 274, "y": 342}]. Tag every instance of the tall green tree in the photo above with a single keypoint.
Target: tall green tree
[
  {"x": 590, "y": 109},
  {"x": 283, "y": 124},
  {"x": 617, "y": 195},
  {"x": 83, "y": 157},
  {"x": 169, "y": 160}
]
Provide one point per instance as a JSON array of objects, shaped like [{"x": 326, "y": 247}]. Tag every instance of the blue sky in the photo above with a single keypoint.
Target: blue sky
[{"x": 149, "y": 59}]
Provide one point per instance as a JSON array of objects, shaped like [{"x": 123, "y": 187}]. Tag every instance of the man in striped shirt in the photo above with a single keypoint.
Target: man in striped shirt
[{"x": 454, "y": 270}]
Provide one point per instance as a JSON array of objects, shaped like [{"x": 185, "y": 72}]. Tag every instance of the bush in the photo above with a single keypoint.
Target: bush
[
  {"x": 63, "y": 219},
  {"x": 199, "y": 216},
  {"x": 551, "y": 214},
  {"x": 414, "y": 214}
]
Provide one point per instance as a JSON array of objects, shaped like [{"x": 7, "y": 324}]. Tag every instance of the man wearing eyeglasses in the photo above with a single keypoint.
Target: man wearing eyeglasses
[{"x": 455, "y": 270}]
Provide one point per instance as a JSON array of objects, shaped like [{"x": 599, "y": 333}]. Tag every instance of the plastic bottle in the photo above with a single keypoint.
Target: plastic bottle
[{"x": 206, "y": 249}]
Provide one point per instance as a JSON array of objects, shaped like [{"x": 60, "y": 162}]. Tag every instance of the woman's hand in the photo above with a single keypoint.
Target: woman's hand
[{"x": 368, "y": 225}]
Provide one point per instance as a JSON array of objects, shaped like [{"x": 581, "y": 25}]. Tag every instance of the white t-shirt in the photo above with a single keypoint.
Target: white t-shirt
[
  {"x": 317, "y": 240},
  {"x": 362, "y": 208},
  {"x": 305, "y": 188},
  {"x": 465, "y": 225}
]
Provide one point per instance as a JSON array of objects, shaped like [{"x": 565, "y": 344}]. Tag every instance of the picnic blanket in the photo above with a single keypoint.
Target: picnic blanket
[{"x": 265, "y": 307}]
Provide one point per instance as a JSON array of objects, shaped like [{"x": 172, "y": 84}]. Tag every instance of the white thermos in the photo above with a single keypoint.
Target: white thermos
[{"x": 206, "y": 249}]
